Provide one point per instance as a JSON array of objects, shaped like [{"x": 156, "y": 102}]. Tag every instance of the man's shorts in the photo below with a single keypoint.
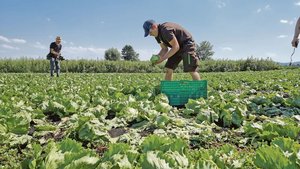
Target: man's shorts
[{"x": 188, "y": 55}]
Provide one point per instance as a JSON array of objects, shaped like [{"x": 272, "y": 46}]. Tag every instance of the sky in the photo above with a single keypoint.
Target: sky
[{"x": 237, "y": 29}]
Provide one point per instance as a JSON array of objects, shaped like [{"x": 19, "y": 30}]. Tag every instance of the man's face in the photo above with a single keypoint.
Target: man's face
[
  {"x": 58, "y": 40},
  {"x": 153, "y": 31}
]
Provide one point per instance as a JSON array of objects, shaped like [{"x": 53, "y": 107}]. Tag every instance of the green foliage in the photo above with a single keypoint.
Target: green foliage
[
  {"x": 120, "y": 155},
  {"x": 121, "y": 120},
  {"x": 223, "y": 157},
  {"x": 204, "y": 50},
  {"x": 281, "y": 154},
  {"x": 19, "y": 123},
  {"x": 128, "y": 113},
  {"x": 225, "y": 65},
  {"x": 152, "y": 161},
  {"x": 112, "y": 54},
  {"x": 251, "y": 64},
  {"x": 66, "y": 154},
  {"x": 129, "y": 54},
  {"x": 270, "y": 129},
  {"x": 107, "y": 66}
]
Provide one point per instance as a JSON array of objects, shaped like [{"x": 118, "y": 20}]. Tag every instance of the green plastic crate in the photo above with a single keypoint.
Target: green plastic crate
[{"x": 179, "y": 92}]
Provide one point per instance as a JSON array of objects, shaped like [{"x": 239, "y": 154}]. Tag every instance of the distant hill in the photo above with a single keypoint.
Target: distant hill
[{"x": 293, "y": 63}]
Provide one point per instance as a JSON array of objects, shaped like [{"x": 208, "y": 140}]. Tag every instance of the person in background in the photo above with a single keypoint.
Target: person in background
[
  {"x": 55, "y": 48},
  {"x": 295, "y": 40},
  {"x": 181, "y": 44}
]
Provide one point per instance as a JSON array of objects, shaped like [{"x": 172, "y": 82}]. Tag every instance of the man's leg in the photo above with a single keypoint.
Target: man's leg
[
  {"x": 195, "y": 75},
  {"x": 190, "y": 64},
  {"x": 171, "y": 65},
  {"x": 190, "y": 60},
  {"x": 52, "y": 60},
  {"x": 169, "y": 74},
  {"x": 57, "y": 65}
]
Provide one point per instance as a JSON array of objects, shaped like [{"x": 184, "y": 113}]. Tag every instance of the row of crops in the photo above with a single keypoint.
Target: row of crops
[
  {"x": 27, "y": 65},
  {"x": 249, "y": 120}
]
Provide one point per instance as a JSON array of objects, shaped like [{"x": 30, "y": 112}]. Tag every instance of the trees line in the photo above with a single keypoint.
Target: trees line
[
  {"x": 204, "y": 51},
  {"x": 25, "y": 65}
]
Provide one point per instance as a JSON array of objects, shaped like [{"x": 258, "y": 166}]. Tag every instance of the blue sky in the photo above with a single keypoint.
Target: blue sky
[{"x": 237, "y": 29}]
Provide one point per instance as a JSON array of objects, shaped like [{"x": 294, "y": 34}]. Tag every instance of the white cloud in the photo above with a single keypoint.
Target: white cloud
[
  {"x": 79, "y": 52},
  {"x": 9, "y": 47},
  {"x": 286, "y": 22},
  {"x": 84, "y": 49},
  {"x": 297, "y": 3},
  {"x": 282, "y": 36},
  {"x": 5, "y": 39},
  {"x": 266, "y": 8},
  {"x": 221, "y": 4},
  {"x": 15, "y": 40},
  {"x": 227, "y": 49},
  {"x": 39, "y": 45},
  {"x": 22, "y": 41},
  {"x": 258, "y": 10}
]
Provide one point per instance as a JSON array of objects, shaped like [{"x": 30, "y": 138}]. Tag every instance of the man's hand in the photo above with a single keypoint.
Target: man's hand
[
  {"x": 159, "y": 61},
  {"x": 295, "y": 42},
  {"x": 57, "y": 55},
  {"x": 168, "y": 53}
]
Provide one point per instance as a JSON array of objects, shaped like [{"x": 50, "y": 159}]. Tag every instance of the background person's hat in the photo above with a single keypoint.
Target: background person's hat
[{"x": 147, "y": 25}]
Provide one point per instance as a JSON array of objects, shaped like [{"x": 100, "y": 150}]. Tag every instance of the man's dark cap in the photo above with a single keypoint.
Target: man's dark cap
[{"x": 147, "y": 26}]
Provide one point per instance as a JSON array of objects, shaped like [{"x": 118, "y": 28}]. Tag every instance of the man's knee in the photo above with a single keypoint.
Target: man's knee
[{"x": 169, "y": 71}]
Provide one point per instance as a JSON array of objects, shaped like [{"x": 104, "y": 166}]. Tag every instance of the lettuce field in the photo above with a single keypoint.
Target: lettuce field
[{"x": 122, "y": 121}]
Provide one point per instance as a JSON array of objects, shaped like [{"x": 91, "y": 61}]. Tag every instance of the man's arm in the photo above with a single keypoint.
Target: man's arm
[
  {"x": 295, "y": 40},
  {"x": 54, "y": 53},
  {"x": 164, "y": 49},
  {"x": 175, "y": 47}
]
